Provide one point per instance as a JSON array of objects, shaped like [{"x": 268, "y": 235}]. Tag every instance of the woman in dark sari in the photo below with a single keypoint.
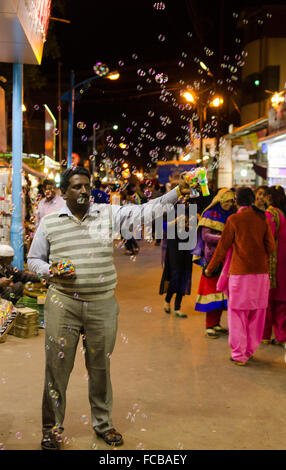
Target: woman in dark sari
[{"x": 177, "y": 274}]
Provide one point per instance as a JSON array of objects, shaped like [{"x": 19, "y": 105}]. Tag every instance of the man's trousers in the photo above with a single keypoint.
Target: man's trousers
[{"x": 66, "y": 319}]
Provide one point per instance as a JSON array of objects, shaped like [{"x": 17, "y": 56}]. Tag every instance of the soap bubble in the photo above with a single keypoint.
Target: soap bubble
[
  {"x": 100, "y": 69},
  {"x": 62, "y": 342},
  {"x": 159, "y": 6},
  {"x": 161, "y": 78},
  {"x": 96, "y": 126},
  {"x": 140, "y": 446},
  {"x": 160, "y": 135},
  {"x": 141, "y": 72},
  {"x": 148, "y": 309},
  {"x": 81, "y": 125},
  {"x": 54, "y": 394},
  {"x": 84, "y": 419},
  {"x": 36, "y": 107},
  {"x": 161, "y": 37}
]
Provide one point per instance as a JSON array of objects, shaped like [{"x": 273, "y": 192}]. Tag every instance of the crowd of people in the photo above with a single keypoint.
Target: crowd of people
[{"x": 241, "y": 248}]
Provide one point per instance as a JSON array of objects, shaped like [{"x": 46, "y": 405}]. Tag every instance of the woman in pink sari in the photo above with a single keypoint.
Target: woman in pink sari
[
  {"x": 249, "y": 236},
  {"x": 276, "y": 311}
]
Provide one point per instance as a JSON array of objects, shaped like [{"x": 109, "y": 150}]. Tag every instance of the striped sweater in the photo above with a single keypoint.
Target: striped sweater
[{"x": 88, "y": 245}]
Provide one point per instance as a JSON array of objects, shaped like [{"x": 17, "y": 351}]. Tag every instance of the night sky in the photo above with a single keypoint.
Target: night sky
[{"x": 141, "y": 39}]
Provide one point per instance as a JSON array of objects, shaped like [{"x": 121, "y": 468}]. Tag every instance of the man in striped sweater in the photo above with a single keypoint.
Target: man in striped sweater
[{"x": 83, "y": 302}]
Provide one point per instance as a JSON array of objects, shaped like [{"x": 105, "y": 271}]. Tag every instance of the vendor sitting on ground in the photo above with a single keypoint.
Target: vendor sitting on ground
[{"x": 12, "y": 281}]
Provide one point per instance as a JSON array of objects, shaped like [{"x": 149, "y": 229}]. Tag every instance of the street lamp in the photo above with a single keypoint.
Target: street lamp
[
  {"x": 216, "y": 102},
  {"x": 72, "y": 97},
  {"x": 201, "y": 109}
]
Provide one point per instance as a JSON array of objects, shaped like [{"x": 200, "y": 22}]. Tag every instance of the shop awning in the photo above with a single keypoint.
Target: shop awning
[
  {"x": 253, "y": 126},
  {"x": 274, "y": 137}
]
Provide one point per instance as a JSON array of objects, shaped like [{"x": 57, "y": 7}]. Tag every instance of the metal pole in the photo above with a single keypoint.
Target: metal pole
[
  {"x": 59, "y": 112},
  {"x": 94, "y": 154},
  {"x": 201, "y": 127},
  {"x": 17, "y": 148},
  {"x": 71, "y": 116}
]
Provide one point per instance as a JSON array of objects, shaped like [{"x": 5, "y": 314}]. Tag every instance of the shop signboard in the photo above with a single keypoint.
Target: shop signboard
[
  {"x": 23, "y": 30},
  {"x": 168, "y": 170}
]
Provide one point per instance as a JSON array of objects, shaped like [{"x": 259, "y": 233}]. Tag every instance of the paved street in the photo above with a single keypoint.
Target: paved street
[{"x": 173, "y": 388}]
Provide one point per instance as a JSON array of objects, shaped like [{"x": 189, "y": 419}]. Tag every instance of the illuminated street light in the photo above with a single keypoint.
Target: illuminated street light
[
  {"x": 122, "y": 145},
  {"x": 113, "y": 76},
  {"x": 216, "y": 102},
  {"x": 201, "y": 108},
  {"x": 125, "y": 165},
  {"x": 276, "y": 99},
  {"x": 189, "y": 96}
]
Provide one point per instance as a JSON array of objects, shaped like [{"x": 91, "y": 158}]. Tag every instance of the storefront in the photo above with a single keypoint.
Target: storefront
[
  {"x": 273, "y": 146},
  {"x": 240, "y": 156}
]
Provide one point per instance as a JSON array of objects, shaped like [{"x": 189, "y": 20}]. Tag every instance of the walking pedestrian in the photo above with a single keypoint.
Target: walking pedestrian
[
  {"x": 98, "y": 194},
  {"x": 210, "y": 227},
  {"x": 249, "y": 236},
  {"x": 276, "y": 311},
  {"x": 83, "y": 301},
  {"x": 177, "y": 273},
  {"x": 52, "y": 201}
]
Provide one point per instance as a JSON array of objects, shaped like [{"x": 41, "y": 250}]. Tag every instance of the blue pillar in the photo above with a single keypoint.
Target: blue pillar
[
  {"x": 70, "y": 124},
  {"x": 17, "y": 148}
]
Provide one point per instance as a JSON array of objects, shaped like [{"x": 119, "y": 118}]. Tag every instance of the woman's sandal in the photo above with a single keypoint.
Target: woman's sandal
[{"x": 111, "y": 437}]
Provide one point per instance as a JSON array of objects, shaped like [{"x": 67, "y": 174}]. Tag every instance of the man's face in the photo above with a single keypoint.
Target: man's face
[
  {"x": 50, "y": 192},
  {"x": 78, "y": 192}
]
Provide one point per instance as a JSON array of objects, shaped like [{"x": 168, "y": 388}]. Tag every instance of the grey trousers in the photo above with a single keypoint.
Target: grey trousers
[{"x": 65, "y": 319}]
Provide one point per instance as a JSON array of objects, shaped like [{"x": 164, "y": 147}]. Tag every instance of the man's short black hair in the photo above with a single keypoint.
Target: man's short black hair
[
  {"x": 67, "y": 174},
  {"x": 245, "y": 197},
  {"x": 48, "y": 183},
  {"x": 97, "y": 184}
]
